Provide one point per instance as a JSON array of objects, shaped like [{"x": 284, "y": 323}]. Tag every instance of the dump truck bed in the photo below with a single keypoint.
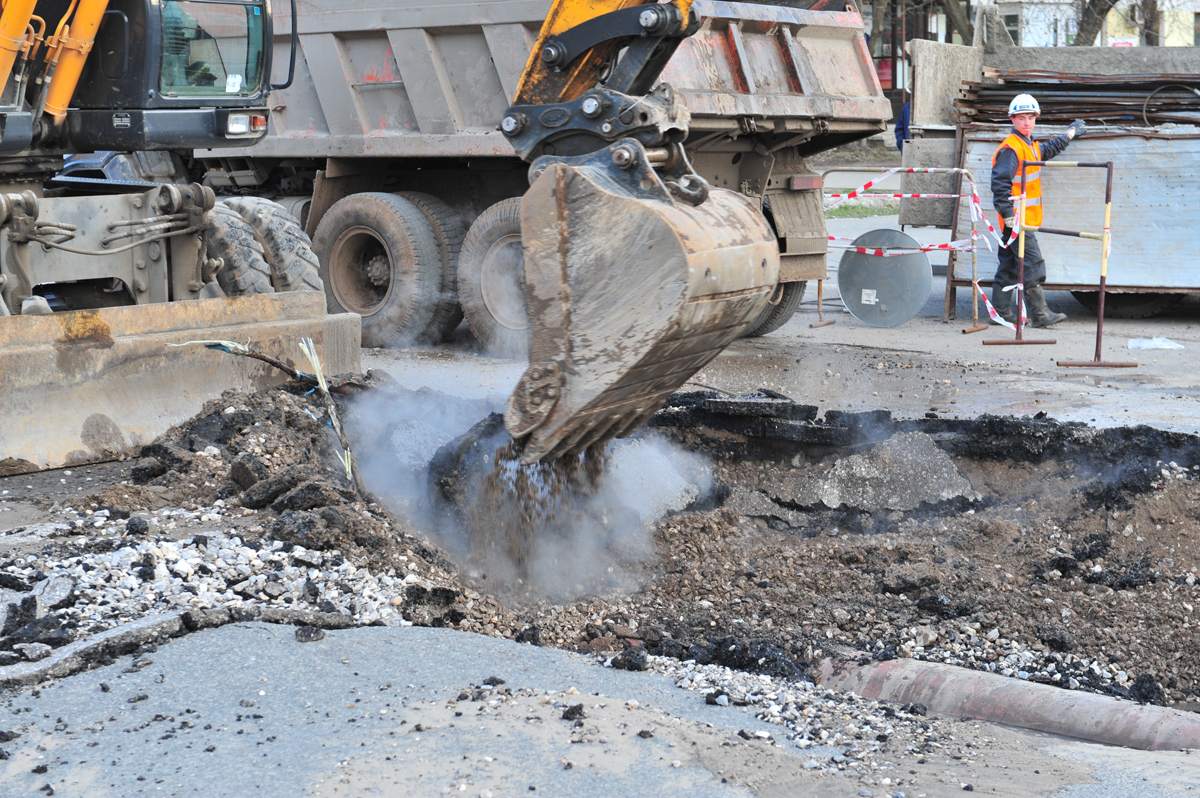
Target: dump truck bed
[{"x": 416, "y": 79}]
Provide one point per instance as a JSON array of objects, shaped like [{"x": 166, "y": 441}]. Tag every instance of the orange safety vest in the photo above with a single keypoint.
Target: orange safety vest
[{"x": 1033, "y": 184}]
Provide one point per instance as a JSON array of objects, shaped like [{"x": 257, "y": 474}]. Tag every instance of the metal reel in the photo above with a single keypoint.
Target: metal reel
[{"x": 884, "y": 292}]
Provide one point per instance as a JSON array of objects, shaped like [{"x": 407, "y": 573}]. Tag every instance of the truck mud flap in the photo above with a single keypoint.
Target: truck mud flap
[
  {"x": 93, "y": 385},
  {"x": 632, "y": 285}
]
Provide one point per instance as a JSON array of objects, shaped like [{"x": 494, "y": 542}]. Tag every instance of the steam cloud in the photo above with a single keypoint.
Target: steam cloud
[{"x": 598, "y": 545}]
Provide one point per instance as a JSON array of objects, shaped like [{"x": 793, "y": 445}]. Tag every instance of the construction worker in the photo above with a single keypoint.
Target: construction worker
[{"x": 1016, "y": 149}]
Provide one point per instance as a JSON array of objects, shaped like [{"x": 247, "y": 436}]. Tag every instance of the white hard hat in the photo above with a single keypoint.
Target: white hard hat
[{"x": 1024, "y": 104}]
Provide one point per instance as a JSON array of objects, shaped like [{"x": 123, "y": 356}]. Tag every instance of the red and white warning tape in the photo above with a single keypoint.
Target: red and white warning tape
[
  {"x": 899, "y": 196},
  {"x": 975, "y": 206},
  {"x": 838, "y": 242},
  {"x": 994, "y": 314}
]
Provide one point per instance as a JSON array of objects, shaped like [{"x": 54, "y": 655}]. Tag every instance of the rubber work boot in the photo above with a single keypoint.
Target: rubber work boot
[
  {"x": 1002, "y": 301},
  {"x": 1040, "y": 315}
]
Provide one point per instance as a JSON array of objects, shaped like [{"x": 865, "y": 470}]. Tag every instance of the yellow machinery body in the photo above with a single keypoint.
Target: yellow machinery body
[{"x": 93, "y": 284}]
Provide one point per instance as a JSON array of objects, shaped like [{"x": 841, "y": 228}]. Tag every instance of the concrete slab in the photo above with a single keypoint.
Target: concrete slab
[{"x": 84, "y": 386}]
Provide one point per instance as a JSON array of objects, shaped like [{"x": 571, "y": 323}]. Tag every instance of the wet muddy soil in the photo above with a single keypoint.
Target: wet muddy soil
[{"x": 1038, "y": 550}]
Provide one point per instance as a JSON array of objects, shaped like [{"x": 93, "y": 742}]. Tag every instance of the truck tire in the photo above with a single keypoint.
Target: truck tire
[
  {"x": 1128, "y": 306},
  {"x": 294, "y": 265},
  {"x": 449, "y": 230},
  {"x": 491, "y": 281},
  {"x": 775, "y": 316},
  {"x": 229, "y": 238},
  {"x": 380, "y": 259}
]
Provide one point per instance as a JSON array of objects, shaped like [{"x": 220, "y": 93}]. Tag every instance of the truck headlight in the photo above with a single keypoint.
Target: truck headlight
[{"x": 237, "y": 124}]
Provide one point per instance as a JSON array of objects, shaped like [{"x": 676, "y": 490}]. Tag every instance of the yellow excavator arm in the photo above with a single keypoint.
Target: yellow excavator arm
[
  {"x": 637, "y": 272},
  {"x": 541, "y": 83},
  {"x": 66, "y": 51}
]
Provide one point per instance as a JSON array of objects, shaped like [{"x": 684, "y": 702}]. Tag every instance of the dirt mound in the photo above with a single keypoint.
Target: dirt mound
[
  {"x": 1033, "y": 578},
  {"x": 270, "y": 459},
  {"x": 1043, "y": 551}
]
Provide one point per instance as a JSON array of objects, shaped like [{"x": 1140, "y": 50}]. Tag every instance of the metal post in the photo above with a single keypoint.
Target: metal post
[
  {"x": 821, "y": 322},
  {"x": 975, "y": 325},
  {"x": 1104, "y": 241}
]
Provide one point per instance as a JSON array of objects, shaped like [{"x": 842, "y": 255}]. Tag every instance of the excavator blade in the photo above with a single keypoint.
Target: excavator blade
[
  {"x": 632, "y": 285},
  {"x": 94, "y": 385}
]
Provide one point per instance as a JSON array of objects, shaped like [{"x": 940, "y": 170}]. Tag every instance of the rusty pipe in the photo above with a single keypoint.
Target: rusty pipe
[{"x": 999, "y": 699}]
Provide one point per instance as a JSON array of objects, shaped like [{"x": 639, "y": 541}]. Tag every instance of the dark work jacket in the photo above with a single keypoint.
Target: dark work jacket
[{"x": 1005, "y": 171}]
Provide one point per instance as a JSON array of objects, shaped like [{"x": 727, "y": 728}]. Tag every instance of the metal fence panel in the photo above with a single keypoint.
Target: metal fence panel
[{"x": 1156, "y": 201}]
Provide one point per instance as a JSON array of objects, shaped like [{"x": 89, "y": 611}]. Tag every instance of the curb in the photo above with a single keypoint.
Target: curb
[
  {"x": 951, "y": 690},
  {"x": 75, "y": 657}
]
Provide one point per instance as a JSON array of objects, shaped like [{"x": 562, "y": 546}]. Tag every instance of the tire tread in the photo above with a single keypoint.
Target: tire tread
[
  {"x": 229, "y": 237},
  {"x": 407, "y": 315},
  {"x": 775, "y": 316},
  {"x": 288, "y": 250},
  {"x": 450, "y": 231},
  {"x": 496, "y": 339}
]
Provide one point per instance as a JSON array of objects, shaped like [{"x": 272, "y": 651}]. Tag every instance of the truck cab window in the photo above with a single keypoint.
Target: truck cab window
[{"x": 211, "y": 48}]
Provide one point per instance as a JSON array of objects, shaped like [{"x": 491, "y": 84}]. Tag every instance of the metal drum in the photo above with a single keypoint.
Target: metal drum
[{"x": 884, "y": 292}]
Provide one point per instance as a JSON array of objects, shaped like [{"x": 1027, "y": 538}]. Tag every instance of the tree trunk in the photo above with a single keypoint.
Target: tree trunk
[
  {"x": 1091, "y": 18},
  {"x": 878, "y": 21},
  {"x": 958, "y": 18},
  {"x": 1150, "y": 23}
]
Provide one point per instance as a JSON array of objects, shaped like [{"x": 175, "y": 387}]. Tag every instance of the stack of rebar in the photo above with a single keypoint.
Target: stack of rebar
[{"x": 1113, "y": 99}]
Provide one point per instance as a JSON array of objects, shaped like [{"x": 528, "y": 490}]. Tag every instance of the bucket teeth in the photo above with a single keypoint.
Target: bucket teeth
[{"x": 630, "y": 291}]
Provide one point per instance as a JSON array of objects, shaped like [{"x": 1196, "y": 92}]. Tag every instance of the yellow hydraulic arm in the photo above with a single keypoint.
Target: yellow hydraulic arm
[
  {"x": 14, "y": 29},
  {"x": 66, "y": 51},
  {"x": 543, "y": 84}
]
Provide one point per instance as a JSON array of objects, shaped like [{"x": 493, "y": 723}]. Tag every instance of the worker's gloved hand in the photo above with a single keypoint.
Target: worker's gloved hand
[
  {"x": 1010, "y": 222},
  {"x": 1077, "y": 128}
]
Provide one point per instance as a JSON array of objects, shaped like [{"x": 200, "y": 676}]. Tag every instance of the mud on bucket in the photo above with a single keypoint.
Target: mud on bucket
[{"x": 630, "y": 289}]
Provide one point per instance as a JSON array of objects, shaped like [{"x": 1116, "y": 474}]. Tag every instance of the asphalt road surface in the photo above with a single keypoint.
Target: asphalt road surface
[{"x": 247, "y": 710}]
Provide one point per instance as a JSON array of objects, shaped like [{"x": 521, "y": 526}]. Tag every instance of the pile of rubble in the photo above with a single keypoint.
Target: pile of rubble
[
  {"x": 1054, "y": 553},
  {"x": 272, "y": 524}
]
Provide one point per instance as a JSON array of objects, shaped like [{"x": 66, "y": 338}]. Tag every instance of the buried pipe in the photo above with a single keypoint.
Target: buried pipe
[{"x": 951, "y": 690}]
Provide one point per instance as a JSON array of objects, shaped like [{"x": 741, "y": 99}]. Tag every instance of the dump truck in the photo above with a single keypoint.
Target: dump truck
[
  {"x": 98, "y": 277},
  {"x": 395, "y": 113}
]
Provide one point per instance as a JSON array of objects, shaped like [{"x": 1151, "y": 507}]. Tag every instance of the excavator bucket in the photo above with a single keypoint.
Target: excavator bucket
[
  {"x": 632, "y": 285},
  {"x": 94, "y": 385}
]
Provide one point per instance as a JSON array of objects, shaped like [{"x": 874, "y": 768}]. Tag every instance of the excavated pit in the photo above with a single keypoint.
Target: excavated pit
[
  {"x": 749, "y": 531},
  {"x": 1054, "y": 552}
]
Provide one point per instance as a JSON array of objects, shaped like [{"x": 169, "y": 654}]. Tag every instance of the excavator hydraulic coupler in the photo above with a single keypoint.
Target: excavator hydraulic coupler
[{"x": 633, "y": 283}]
